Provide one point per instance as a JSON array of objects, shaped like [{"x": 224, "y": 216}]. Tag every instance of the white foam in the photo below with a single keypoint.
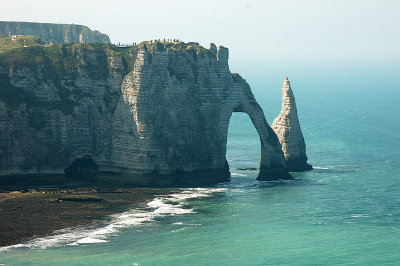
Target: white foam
[
  {"x": 359, "y": 216},
  {"x": 179, "y": 223},
  {"x": 89, "y": 240},
  {"x": 172, "y": 204},
  {"x": 237, "y": 174},
  {"x": 320, "y": 168}
]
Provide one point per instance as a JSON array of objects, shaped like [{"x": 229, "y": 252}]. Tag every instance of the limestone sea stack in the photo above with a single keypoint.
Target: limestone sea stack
[{"x": 287, "y": 127}]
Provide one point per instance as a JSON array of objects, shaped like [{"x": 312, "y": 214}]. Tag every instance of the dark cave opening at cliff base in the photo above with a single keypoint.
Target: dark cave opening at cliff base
[
  {"x": 83, "y": 168},
  {"x": 243, "y": 149}
]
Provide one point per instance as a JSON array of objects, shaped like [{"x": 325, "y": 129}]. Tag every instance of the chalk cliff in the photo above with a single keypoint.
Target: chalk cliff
[
  {"x": 153, "y": 114},
  {"x": 287, "y": 127},
  {"x": 58, "y": 33}
]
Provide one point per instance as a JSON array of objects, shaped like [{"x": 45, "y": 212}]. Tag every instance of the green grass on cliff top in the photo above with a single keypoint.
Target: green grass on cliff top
[
  {"x": 25, "y": 41},
  {"x": 22, "y": 52},
  {"x": 7, "y": 43},
  {"x": 30, "y": 50},
  {"x": 177, "y": 46}
]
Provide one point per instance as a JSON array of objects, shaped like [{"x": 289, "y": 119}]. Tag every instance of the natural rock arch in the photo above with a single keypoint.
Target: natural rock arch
[
  {"x": 160, "y": 120},
  {"x": 268, "y": 147},
  {"x": 179, "y": 106},
  {"x": 272, "y": 165}
]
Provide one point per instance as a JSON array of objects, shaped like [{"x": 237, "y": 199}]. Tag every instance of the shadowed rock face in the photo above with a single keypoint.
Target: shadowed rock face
[
  {"x": 162, "y": 122},
  {"x": 57, "y": 33},
  {"x": 287, "y": 128}
]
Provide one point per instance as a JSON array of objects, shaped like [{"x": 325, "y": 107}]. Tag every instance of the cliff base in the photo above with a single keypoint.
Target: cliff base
[
  {"x": 274, "y": 173},
  {"x": 298, "y": 165}
]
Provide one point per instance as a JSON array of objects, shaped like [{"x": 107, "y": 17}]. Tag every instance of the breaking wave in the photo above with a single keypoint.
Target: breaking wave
[{"x": 168, "y": 205}]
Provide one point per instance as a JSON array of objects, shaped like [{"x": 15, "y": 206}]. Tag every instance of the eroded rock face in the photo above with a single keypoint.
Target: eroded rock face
[
  {"x": 53, "y": 112},
  {"x": 178, "y": 106},
  {"x": 164, "y": 121},
  {"x": 57, "y": 33},
  {"x": 287, "y": 128}
]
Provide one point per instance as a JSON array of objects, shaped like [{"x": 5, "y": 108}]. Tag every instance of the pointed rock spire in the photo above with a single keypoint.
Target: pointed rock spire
[{"x": 287, "y": 127}]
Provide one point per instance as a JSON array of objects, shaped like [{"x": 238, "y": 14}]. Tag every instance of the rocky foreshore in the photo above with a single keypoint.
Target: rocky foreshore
[{"x": 32, "y": 213}]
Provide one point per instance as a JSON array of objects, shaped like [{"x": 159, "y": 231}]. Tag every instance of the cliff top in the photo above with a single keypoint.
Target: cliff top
[
  {"x": 64, "y": 27},
  {"x": 9, "y": 42},
  {"x": 52, "y": 32},
  {"x": 176, "y": 46},
  {"x": 18, "y": 41},
  {"x": 21, "y": 50}
]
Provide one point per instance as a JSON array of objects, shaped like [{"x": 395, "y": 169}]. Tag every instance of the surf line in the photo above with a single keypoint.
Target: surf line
[{"x": 168, "y": 205}]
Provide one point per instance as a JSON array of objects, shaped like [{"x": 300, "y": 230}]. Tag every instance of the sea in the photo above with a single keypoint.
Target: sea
[{"x": 344, "y": 212}]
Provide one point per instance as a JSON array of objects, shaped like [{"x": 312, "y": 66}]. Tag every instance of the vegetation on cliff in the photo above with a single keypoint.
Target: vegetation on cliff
[
  {"x": 9, "y": 42},
  {"x": 56, "y": 63},
  {"x": 30, "y": 50}
]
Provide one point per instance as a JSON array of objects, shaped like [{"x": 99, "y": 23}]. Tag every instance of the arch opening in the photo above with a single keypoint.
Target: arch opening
[{"x": 243, "y": 149}]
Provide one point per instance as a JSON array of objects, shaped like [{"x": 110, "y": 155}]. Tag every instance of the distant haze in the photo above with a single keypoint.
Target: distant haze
[{"x": 252, "y": 29}]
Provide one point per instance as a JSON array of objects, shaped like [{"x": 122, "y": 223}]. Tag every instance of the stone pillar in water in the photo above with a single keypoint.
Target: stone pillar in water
[{"x": 287, "y": 127}]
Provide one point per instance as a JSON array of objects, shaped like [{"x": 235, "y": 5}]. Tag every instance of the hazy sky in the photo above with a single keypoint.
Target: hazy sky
[{"x": 252, "y": 29}]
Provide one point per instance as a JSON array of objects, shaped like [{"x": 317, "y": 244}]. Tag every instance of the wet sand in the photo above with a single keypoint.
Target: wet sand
[{"x": 28, "y": 214}]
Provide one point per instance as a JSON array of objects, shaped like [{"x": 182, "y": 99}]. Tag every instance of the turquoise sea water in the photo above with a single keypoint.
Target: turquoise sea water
[{"x": 346, "y": 211}]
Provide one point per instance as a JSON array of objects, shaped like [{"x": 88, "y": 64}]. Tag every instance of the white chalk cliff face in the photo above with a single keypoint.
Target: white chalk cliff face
[
  {"x": 164, "y": 122},
  {"x": 57, "y": 33},
  {"x": 172, "y": 119},
  {"x": 287, "y": 127}
]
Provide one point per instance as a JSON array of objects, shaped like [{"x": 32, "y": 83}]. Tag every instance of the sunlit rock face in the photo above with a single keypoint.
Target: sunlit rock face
[
  {"x": 55, "y": 33},
  {"x": 178, "y": 106},
  {"x": 155, "y": 116},
  {"x": 287, "y": 127}
]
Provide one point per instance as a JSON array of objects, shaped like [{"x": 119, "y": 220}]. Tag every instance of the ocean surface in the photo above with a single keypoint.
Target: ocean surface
[{"x": 344, "y": 212}]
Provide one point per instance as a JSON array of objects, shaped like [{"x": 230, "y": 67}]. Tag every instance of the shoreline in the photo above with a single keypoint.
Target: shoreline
[{"x": 29, "y": 214}]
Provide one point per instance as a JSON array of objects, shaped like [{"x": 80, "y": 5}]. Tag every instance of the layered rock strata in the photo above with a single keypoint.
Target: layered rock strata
[
  {"x": 153, "y": 115},
  {"x": 57, "y": 33},
  {"x": 287, "y": 127}
]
